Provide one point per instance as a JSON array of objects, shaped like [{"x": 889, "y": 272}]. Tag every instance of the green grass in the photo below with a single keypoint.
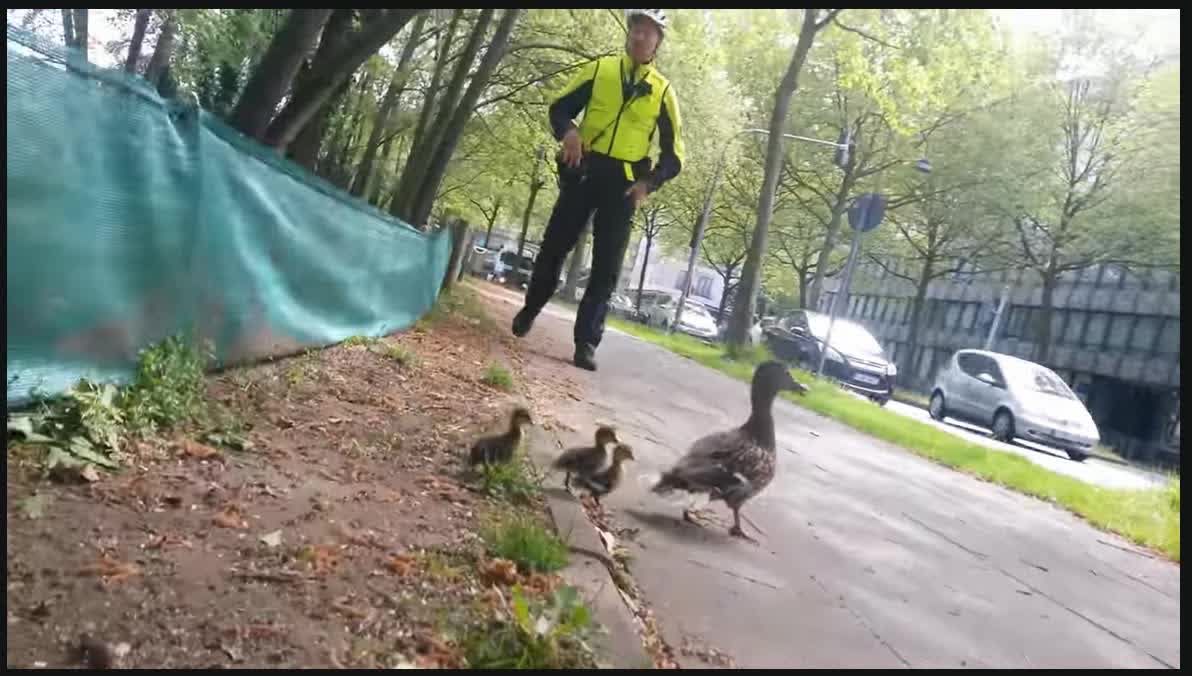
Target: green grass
[
  {"x": 399, "y": 354},
  {"x": 496, "y": 375},
  {"x": 461, "y": 302},
  {"x": 529, "y": 544},
  {"x": 1147, "y": 517},
  {"x": 550, "y": 633},
  {"x": 911, "y": 398},
  {"x": 511, "y": 481},
  {"x": 359, "y": 341}
]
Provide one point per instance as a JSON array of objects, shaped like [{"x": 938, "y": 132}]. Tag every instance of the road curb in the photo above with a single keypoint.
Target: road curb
[{"x": 620, "y": 642}]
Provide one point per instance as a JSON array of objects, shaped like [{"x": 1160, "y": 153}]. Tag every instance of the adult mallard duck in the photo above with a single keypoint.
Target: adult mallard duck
[
  {"x": 605, "y": 482},
  {"x": 586, "y": 460},
  {"x": 736, "y": 464},
  {"x": 501, "y": 447}
]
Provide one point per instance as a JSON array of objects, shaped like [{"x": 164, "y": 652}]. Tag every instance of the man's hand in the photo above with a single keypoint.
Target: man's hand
[
  {"x": 573, "y": 150},
  {"x": 637, "y": 193}
]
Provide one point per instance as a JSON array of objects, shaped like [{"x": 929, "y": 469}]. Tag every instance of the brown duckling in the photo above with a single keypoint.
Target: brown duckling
[
  {"x": 501, "y": 447},
  {"x": 586, "y": 460},
  {"x": 604, "y": 482}
]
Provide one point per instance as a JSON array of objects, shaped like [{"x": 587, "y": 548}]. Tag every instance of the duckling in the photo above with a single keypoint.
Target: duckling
[
  {"x": 605, "y": 482},
  {"x": 501, "y": 447},
  {"x": 586, "y": 460},
  {"x": 735, "y": 465}
]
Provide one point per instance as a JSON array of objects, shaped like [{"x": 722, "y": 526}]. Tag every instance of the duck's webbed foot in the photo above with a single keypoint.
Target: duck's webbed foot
[{"x": 736, "y": 530}]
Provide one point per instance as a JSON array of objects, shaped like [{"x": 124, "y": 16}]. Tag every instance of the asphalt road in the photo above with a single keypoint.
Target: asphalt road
[{"x": 869, "y": 555}]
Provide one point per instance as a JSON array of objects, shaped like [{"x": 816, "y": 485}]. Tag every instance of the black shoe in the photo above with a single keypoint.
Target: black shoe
[
  {"x": 585, "y": 357},
  {"x": 522, "y": 322}
]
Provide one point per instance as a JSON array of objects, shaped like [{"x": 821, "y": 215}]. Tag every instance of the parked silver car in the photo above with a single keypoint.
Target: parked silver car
[{"x": 1016, "y": 399}]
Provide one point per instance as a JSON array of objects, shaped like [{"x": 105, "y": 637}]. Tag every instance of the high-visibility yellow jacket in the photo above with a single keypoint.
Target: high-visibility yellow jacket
[{"x": 623, "y": 104}]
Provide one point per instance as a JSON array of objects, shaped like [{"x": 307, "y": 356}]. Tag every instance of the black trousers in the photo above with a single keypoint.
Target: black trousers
[{"x": 601, "y": 191}]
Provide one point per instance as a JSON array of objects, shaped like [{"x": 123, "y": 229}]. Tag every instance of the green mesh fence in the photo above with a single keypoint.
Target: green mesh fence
[{"x": 131, "y": 218}]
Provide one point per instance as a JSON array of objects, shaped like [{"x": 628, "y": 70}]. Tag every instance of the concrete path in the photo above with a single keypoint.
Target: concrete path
[{"x": 871, "y": 556}]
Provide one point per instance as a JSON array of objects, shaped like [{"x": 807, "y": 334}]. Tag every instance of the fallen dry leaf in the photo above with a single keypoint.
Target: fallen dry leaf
[
  {"x": 168, "y": 541},
  {"x": 194, "y": 449},
  {"x": 342, "y": 605},
  {"x": 323, "y": 558},
  {"x": 542, "y": 584},
  {"x": 402, "y": 564},
  {"x": 110, "y": 570},
  {"x": 499, "y": 571},
  {"x": 230, "y": 518},
  {"x": 355, "y": 537}
]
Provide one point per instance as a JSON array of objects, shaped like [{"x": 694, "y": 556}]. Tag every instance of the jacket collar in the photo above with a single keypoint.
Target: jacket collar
[{"x": 627, "y": 67}]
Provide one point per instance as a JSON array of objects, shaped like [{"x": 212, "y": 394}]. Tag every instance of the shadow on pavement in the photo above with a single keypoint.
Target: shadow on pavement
[{"x": 678, "y": 529}]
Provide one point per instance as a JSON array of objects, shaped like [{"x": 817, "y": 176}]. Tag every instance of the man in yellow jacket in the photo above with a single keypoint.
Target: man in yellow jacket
[{"x": 605, "y": 167}]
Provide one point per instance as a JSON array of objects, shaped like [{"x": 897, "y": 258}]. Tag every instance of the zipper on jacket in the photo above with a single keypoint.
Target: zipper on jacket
[{"x": 624, "y": 104}]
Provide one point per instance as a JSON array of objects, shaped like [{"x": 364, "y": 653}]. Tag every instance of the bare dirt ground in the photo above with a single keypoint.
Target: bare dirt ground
[{"x": 344, "y": 536}]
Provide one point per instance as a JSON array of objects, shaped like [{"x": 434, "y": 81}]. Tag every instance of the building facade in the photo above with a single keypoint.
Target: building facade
[
  {"x": 667, "y": 271},
  {"x": 1115, "y": 339}
]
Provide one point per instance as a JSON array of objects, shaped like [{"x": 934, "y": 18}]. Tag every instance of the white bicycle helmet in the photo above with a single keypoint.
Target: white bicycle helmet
[{"x": 658, "y": 16}]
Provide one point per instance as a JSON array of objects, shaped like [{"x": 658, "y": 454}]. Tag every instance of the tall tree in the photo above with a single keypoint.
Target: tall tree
[
  {"x": 382, "y": 127},
  {"x": 1090, "y": 153},
  {"x": 653, "y": 220},
  {"x": 272, "y": 77},
  {"x": 159, "y": 63},
  {"x": 336, "y": 66},
  {"x": 138, "y": 38},
  {"x": 746, "y": 300},
  {"x": 447, "y": 141}
]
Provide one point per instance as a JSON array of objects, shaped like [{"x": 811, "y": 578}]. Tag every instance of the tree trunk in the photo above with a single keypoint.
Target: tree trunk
[
  {"x": 451, "y": 97},
  {"x": 459, "y": 245},
  {"x": 747, "y": 288},
  {"x": 407, "y": 182},
  {"x": 492, "y": 219},
  {"x": 382, "y": 126},
  {"x": 138, "y": 38},
  {"x": 910, "y": 361},
  {"x": 68, "y": 31},
  {"x": 306, "y": 145},
  {"x": 343, "y": 163},
  {"x": 80, "y": 31},
  {"x": 825, "y": 253},
  {"x": 724, "y": 296},
  {"x": 1042, "y": 351},
  {"x": 326, "y": 75},
  {"x": 575, "y": 264},
  {"x": 305, "y": 148},
  {"x": 535, "y": 186},
  {"x": 641, "y": 280},
  {"x": 160, "y": 60},
  {"x": 446, "y": 143},
  {"x": 272, "y": 77}
]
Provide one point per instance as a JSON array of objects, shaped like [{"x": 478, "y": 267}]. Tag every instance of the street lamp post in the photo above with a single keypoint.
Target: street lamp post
[{"x": 697, "y": 237}]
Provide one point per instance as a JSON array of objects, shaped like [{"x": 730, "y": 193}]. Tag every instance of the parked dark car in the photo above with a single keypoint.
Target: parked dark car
[{"x": 855, "y": 359}]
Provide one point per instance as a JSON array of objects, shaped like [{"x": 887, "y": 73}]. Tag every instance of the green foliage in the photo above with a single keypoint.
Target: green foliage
[
  {"x": 170, "y": 386},
  {"x": 528, "y": 543},
  {"x": 402, "y": 355},
  {"x": 86, "y": 425},
  {"x": 535, "y": 634},
  {"x": 513, "y": 481},
  {"x": 496, "y": 375}
]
